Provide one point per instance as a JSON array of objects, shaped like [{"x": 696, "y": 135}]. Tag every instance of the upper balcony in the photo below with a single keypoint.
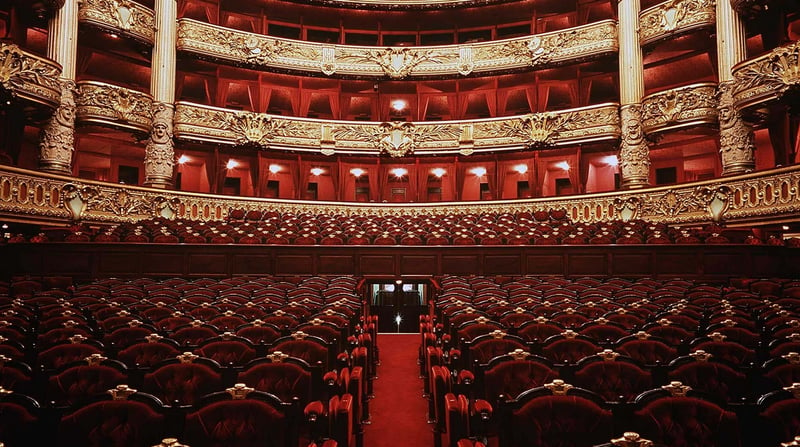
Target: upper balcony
[
  {"x": 28, "y": 77},
  {"x": 419, "y": 62}
]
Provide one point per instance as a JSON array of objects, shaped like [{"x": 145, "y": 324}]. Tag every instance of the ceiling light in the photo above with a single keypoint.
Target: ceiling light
[
  {"x": 611, "y": 160},
  {"x": 563, "y": 165},
  {"x": 232, "y": 164},
  {"x": 399, "y": 172},
  {"x": 438, "y": 172},
  {"x": 521, "y": 168},
  {"x": 274, "y": 168},
  {"x": 358, "y": 172},
  {"x": 317, "y": 171},
  {"x": 480, "y": 171},
  {"x": 398, "y": 105},
  {"x": 785, "y": 228},
  {"x": 183, "y": 159}
]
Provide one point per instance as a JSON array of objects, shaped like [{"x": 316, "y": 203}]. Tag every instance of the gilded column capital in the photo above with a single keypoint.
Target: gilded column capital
[
  {"x": 634, "y": 154},
  {"x": 159, "y": 154},
  {"x": 737, "y": 146},
  {"x": 57, "y": 142}
]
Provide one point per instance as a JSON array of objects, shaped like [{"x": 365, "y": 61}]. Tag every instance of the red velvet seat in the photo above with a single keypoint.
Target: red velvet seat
[
  {"x": 183, "y": 380},
  {"x": 251, "y": 419},
  {"x": 15, "y": 375},
  {"x": 615, "y": 378},
  {"x": 730, "y": 352},
  {"x": 684, "y": 420},
  {"x": 779, "y": 416},
  {"x": 486, "y": 347},
  {"x": 147, "y": 354},
  {"x": 647, "y": 351},
  {"x": 285, "y": 377},
  {"x": 551, "y": 416},
  {"x": 129, "y": 419},
  {"x": 720, "y": 381},
  {"x": 60, "y": 355},
  {"x": 227, "y": 350},
  {"x": 311, "y": 349},
  {"x": 194, "y": 334},
  {"x": 19, "y": 417},
  {"x": 75, "y": 383},
  {"x": 561, "y": 349},
  {"x": 509, "y": 375}
]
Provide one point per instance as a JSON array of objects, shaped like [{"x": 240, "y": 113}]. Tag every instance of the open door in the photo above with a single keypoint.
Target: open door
[{"x": 398, "y": 303}]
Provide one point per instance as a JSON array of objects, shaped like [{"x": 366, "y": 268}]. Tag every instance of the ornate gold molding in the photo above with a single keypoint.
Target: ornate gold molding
[
  {"x": 675, "y": 17},
  {"x": 681, "y": 107},
  {"x": 386, "y": 5},
  {"x": 110, "y": 105},
  {"x": 239, "y": 47},
  {"x": 571, "y": 126},
  {"x": 29, "y": 77},
  {"x": 767, "y": 77},
  {"x": 125, "y": 17},
  {"x": 766, "y": 195}
]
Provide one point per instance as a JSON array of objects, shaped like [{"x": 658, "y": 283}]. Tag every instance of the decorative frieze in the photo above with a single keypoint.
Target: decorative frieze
[
  {"x": 674, "y": 17},
  {"x": 681, "y": 107},
  {"x": 634, "y": 155},
  {"x": 259, "y": 51},
  {"x": 572, "y": 126},
  {"x": 159, "y": 154},
  {"x": 766, "y": 195},
  {"x": 57, "y": 141},
  {"x": 110, "y": 105},
  {"x": 767, "y": 77},
  {"x": 736, "y": 141},
  {"x": 29, "y": 77},
  {"x": 119, "y": 16}
]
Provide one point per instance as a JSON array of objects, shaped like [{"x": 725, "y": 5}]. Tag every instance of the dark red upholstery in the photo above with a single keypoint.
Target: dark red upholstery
[
  {"x": 569, "y": 350},
  {"x": 310, "y": 351},
  {"x": 510, "y": 378},
  {"x": 485, "y": 350},
  {"x": 78, "y": 383},
  {"x": 60, "y": 355},
  {"x": 614, "y": 381},
  {"x": 18, "y": 418},
  {"x": 648, "y": 352},
  {"x": 730, "y": 352},
  {"x": 559, "y": 421},
  {"x": 145, "y": 355},
  {"x": 112, "y": 423},
  {"x": 687, "y": 422},
  {"x": 240, "y": 423},
  {"x": 227, "y": 352},
  {"x": 285, "y": 380},
  {"x": 182, "y": 383},
  {"x": 719, "y": 381}
]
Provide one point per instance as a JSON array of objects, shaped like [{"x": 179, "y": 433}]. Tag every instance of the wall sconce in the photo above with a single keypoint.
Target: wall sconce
[{"x": 480, "y": 171}]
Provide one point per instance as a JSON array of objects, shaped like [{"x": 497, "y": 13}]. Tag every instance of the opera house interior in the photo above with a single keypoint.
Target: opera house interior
[{"x": 369, "y": 223}]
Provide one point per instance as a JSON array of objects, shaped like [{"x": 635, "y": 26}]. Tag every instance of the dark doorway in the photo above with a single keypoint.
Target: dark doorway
[{"x": 398, "y": 303}]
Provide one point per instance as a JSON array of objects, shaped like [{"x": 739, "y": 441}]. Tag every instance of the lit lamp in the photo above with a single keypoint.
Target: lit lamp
[{"x": 398, "y": 319}]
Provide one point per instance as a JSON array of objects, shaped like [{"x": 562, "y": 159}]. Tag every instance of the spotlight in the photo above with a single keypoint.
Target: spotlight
[
  {"x": 563, "y": 165},
  {"x": 358, "y": 172},
  {"x": 183, "y": 159},
  {"x": 611, "y": 160},
  {"x": 521, "y": 168},
  {"x": 399, "y": 172},
  {"x": 398, "y": 105}
]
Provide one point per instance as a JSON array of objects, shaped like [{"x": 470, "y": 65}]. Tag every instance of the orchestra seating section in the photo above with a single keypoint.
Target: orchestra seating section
[
  {"x": 555, "y": 361},
  {"x": 279, "y": 361},
  {"x": 523, "y": 228}
]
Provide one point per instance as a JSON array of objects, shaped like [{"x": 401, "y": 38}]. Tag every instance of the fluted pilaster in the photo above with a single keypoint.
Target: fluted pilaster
[
  {"x": 57, "y": 143},
  {"x": 634, "y": 155},
  {"x": 159, "y": 160},
  {"x": 736, "y": 137}
]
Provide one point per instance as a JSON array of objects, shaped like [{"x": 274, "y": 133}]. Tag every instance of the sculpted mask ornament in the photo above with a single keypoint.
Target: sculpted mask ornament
[
  {"x": 124, "y": 14},
  {"x": 159, "y": 155},
  {"x": 397, "y": 139},
  {"x": 634, "y": 155},
  {"x": 57, "y": 142},
  {"x": 737, "y": 146},
  {"x": 398, "y": 63}
]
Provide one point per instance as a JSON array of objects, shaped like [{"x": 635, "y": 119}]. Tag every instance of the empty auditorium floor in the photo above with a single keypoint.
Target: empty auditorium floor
[{"x": 398, "y": 411}]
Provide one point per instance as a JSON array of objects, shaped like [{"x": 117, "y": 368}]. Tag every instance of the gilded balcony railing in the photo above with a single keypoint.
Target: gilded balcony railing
[
  {"x": 260, "y": 51},
  {"x": 113, "y": 106},
  {"x": 124, "y": 17},
  {"x": 29, "y": 77},
  {"x": 681, "y": 107},
  {"x": 571, "y": 126},
  {"x": 675, "y": 17},
  {"x": 767, "y": 77},
  {"x": 761, "y": 196}
]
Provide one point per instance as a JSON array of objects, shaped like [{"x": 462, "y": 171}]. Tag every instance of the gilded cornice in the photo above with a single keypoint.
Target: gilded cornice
[
  {"x": 125, "y": 17},
  {"x": 393, "y": 5},
  {"x": 29, "y": 77},
  {"x": 686, "y": 106},
  {"x": 571, "y": 126},
  {"x": 767, "y": 77},
  {"x": 766, "y": 195},
  {"x": 259, "y": 51},
  {"x": 675, "y": 17},
  {"x": 110, "y": 105},
  {"x": 752, "y": 8}
]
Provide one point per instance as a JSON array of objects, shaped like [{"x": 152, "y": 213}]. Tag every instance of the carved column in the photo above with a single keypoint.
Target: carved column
[
  {"x": 737, "y": 148},
  {"x": 634, "y": 155},
  {"x": 159, "y": 161},
  {"x": 57, "y": 143}
]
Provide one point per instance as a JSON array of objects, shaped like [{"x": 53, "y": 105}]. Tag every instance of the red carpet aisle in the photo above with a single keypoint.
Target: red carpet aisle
[{"x": 398, "y": 410}]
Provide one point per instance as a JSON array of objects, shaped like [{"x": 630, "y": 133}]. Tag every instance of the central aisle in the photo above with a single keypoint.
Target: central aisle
[{"x": 398, "y": 411}]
